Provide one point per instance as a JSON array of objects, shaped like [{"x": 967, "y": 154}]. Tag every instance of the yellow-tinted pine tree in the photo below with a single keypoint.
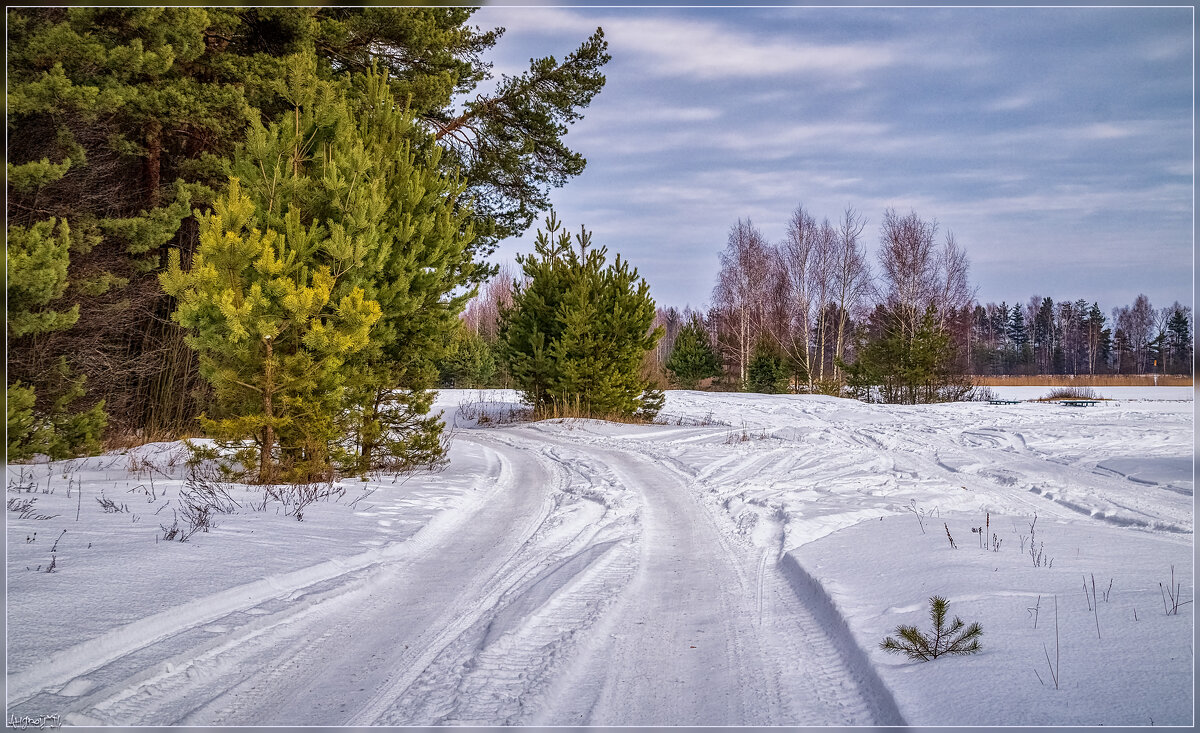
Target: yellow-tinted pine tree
[
  {"x": 354, "y": 188},
  {"x": 270, "y": 334}
]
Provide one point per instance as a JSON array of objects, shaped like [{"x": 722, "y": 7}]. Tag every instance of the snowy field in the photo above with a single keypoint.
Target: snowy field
[{"x": 738, "y": 564}]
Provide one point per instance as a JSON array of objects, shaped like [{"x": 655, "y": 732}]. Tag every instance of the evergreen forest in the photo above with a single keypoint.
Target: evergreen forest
[{"x": 262, "y": 224}]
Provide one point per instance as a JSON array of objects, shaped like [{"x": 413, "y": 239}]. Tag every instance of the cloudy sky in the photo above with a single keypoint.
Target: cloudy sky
[{"x": 1056, "y": 144}]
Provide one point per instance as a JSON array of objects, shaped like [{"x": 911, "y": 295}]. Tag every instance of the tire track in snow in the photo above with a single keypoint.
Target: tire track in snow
[
  {"x": 394, "y": 633},
  {"x": 707, "y": 633},
  {"x": 115, "y": 644},
  {"x": 494, "y": 668},
  {"x": 173, "y": 687}
]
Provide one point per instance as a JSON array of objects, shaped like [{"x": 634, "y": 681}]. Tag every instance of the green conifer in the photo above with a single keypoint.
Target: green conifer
[
  {"x": 369, "y": 214},
  {"x": 418, "y": 268},
  {"x": 37, "y": 259},
  {"x": 123, "y": 120},
  {"x": 898, "y": 366},
  {"x": 468, "y": 362},
  {"x": 271, "y": 336},
  {"x": 942, "y": 640},
  {"x": 578, "y": 330},
  {"x": 768, "y": 371},
  {"x": 693, "y": 357}
]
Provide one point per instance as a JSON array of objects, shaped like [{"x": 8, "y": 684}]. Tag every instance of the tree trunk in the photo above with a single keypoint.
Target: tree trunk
[
  {"x": 153, "y": 162},
  {"x": 266, "y": 463},
  {"x": 822, "y": 327},
  {"x": 369, "y": 439}
]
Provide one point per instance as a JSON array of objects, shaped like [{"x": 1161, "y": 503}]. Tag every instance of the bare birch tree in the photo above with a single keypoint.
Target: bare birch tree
[
  {"x": 908, "y": 267},
  {"x": 740, "y": 297},
  {"x": 482, "y": 314},
  {"x": 807, "y": 265},
  {"x": 1136, "y": 324},
  {"x": 918, "y": 274},
  {"x": 955, "y": 291},
  {"x": 852, "y": 277}
]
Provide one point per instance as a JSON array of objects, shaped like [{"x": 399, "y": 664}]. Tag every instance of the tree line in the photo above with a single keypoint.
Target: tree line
[
  {"x": 813, "y": 313},
  {"x": 805, "y": 314},
  {"x": 311, "y": 193},
  {"x": 811, "y": 310},
  {"x": 1076, "y": 337}
]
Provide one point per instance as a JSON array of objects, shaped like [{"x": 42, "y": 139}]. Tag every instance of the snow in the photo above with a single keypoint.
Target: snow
[
  {"x": 737, "y": 564},
  {"x": 1141, "y": 394}
]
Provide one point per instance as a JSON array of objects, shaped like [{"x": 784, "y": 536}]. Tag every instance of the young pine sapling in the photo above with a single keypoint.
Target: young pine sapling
[{"x": 954, "y": 639}]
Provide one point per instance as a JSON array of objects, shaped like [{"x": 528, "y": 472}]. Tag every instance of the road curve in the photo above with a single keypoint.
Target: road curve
[{"x": 585, "y": 584}]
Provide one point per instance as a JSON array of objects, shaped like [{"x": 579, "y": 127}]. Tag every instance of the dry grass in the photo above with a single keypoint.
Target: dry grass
[
  {"x": 575, "y": 412},
  {"x": 1084, "y": 380},
  {"x": 1071, "y": 393},
  {"x": 126, "y": 440}
]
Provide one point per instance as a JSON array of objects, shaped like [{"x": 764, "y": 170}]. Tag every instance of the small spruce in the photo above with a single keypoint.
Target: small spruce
[
  {"x": 768, "y": 371},
  {"x": 693, "y": 357}
]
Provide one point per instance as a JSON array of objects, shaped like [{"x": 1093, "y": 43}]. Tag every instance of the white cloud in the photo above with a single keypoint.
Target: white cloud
[
  {"x": 1107, "y": 131},
  {"x": 687, "y": 47},
  {"x": 1011, "y": 103},
  {"x": 707, "y": 50},
  {"x": 606, "y": 115},
  {"x": 750, "y": 140}
]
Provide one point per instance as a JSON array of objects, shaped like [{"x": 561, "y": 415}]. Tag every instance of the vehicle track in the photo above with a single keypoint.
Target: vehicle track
[
  {"x": 315, "y": 653},
  {"x": 587, "y": 584},
  {"x": 709, "y": 632}
]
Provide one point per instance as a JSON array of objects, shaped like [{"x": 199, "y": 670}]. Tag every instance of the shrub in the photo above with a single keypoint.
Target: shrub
[
  {"x": 906, "y": 363},
  {"x": 693, "y": 357},
  {"x": 952, "y": 640},
  {"x": 1072, "y": 393}
]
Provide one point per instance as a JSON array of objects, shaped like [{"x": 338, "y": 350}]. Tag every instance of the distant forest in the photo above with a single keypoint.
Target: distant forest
[
  {"x": 1040, "y": 337},
  {"x": 813, "y": 303}
]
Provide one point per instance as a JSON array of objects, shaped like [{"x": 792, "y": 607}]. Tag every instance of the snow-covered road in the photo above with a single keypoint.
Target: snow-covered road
[
  {"x": 725, "y": 569},
  {"x": 580, "y": 585}
]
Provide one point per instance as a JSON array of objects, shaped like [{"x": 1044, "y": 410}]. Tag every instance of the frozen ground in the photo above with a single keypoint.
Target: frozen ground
[{"x": 738, "y": 565}]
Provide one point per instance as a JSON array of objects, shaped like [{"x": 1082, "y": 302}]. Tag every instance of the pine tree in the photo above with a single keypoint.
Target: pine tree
[
  {"x": 37, "y": 259},
  {"x": 942, "y": 640},
  {"x": 418, "y": 270},
  {"x": 1016, "y": 327},
  {"x": 146, "y": 106},
  {"x": 577, "y": 332},
  {"x": 907, "y": 368},
  {"x": 1044, "y": 341},
  {"x": 1099, "y": 339},
  {"x": 693, "y": 357},
  {"x": 100, "y": 120},
  {"x": 768, "y": 371},
  {"x": 1179, "y": 340},
  {"x": 342, "y": 179},
  {"x": 57, "y": 428},
  {"x": 468, "y": 362},
  {"x": 272, "y": 339}
]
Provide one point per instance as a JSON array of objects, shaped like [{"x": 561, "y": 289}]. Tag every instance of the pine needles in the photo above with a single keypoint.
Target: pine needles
[{"x": 953, "y": 640}]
